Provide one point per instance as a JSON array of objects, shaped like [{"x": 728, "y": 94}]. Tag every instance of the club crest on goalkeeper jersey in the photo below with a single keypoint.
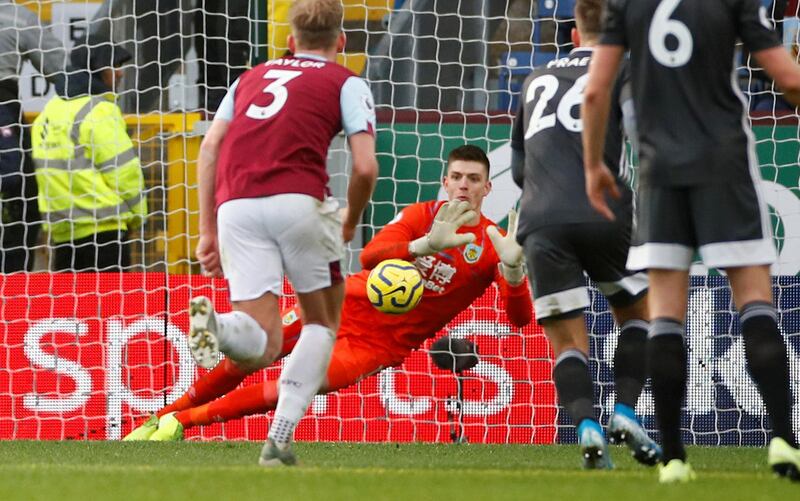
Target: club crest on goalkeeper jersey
[
  {"x": 283, "y": 116},
  {"x": 689, "y": 108}
]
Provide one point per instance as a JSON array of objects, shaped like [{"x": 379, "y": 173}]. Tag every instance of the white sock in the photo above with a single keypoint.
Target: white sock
[
  {"x": 301, "y": 379},
  {"x": 240, "y": 337}
]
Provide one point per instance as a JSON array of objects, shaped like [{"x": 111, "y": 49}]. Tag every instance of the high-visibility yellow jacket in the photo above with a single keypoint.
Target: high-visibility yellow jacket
[{"x": 90, "y": 179}]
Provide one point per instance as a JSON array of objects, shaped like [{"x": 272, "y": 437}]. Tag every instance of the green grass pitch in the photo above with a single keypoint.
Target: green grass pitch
[{"x": 228, "y": 470}]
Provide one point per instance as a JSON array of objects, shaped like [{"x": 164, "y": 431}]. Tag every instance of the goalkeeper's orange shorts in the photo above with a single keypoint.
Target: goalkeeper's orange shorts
[{"x": 355, "y": 355}]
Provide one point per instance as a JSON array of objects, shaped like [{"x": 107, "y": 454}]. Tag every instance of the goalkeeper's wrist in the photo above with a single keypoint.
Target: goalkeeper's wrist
[
  {"x": 421, "y": 247},
  {"x": 514, "y": 275}
]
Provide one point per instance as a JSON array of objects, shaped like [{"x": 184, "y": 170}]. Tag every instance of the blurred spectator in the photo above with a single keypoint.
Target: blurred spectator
[
  {"x": 22, "y": 37},
  {"x": 223, "y": 47},
  {"x": 90, "y": 180}
]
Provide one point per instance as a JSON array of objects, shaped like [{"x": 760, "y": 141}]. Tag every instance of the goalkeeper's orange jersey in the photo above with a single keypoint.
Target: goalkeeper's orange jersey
[{"x": 453, "y": 279}]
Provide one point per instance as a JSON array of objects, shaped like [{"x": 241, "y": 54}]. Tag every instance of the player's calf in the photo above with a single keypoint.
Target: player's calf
[{"x": 236, "y": 334}]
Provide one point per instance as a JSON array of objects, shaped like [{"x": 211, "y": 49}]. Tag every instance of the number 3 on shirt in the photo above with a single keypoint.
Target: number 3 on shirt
[
  {"x": 660, "y": 28},
  {"x": 278, "y": 91}
]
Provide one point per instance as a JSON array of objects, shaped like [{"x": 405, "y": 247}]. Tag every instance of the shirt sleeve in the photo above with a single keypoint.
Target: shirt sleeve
[
  {"x": 518, "y": 127},
  {"x": 225, "y": 110},
  {"x": 392, "y": 241},
  {"x": 626, "y": 107},
  {"x": 613, "y": 30},
  {"x": 516, "y": 299},
  {"x": 755, "y": 28},
  {"x": 615, "y": 113},
  {"x": 358, "y": 107}
]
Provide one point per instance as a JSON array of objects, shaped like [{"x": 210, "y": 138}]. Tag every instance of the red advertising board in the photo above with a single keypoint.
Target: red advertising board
[{"x": 86, "y": 355}]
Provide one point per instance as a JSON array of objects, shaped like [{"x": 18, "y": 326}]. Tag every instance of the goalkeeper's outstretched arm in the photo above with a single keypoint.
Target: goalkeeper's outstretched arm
[
  {"x": 510, "y": 274},
  {"x": 408, "y": 236},
  {"x": 516, "y": 300},
  {"x": 391, "y": 242}
]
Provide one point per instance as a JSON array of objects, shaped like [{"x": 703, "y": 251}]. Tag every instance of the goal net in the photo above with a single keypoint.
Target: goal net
[{"x": 87, "y": 355}]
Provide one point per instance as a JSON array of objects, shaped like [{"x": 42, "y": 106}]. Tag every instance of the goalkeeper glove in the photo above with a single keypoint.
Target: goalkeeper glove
[
  {"x": 508, "y": 250},
  {"x": 449, "y": 218}
]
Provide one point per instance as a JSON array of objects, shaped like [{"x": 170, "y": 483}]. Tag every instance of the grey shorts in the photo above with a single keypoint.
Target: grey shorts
[
  {"x": 727, "y": 223},
  {"x": 558, "y": 256}
]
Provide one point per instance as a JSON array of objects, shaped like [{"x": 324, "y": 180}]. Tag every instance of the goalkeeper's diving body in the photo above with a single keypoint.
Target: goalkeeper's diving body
[{"x": 459, "y": 253}]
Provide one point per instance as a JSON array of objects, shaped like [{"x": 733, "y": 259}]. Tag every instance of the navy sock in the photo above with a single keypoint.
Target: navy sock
[
  {"x": 765, "y": 351},
  {"x": 574, "y": 385},
  {"x": 630, "y": 362},
  {"x": 666, "y": 350}
]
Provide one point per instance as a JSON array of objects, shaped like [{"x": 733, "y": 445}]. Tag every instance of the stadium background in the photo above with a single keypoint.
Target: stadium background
[{"x": 84, "y": 354}]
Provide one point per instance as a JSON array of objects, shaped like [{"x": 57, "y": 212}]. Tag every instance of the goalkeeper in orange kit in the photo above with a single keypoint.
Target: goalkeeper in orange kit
[{"x": 459, "y": 253}]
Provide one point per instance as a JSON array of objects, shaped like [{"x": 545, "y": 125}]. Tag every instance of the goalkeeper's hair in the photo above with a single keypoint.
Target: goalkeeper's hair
[
  {"x": 316, "y": 24},
  {"x": 588, "y": 18},
  {"x": 469, "y": 153}
]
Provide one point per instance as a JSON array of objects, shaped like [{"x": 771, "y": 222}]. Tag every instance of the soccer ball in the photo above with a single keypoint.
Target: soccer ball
[{"x": 394, "y": 286}]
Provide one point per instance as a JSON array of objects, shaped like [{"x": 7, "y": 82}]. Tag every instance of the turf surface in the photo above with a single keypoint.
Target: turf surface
[{"x": 220, "y": 471}]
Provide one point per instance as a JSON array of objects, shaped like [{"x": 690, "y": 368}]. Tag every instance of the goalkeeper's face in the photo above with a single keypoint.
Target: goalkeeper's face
[{"x": 467, "y": 180}]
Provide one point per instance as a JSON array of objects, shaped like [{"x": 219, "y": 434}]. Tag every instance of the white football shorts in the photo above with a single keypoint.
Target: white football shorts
[{"x": 260, "y": 239}]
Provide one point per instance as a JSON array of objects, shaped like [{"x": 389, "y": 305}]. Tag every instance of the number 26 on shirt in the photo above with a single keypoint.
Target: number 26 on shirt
[{"x": 564, "y": 112}]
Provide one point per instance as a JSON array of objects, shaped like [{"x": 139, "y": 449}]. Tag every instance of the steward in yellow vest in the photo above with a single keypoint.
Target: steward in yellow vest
[{"x": 90, "y": 179}]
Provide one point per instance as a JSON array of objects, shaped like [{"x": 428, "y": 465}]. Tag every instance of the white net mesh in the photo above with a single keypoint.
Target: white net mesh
[{"x": 84, "y": 355}]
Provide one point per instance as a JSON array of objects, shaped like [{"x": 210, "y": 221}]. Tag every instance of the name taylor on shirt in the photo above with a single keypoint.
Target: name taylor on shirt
[{"x": 296, "y": 63}]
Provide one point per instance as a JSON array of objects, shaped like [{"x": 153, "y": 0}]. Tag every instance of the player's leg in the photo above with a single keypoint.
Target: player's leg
[
  {"x": 251, "y": 260},
  {"x": 219, "y": 381},
  {"x": 667, "y": 362},
  {"x": 353, "y": 359},
  {"x": 742, "y": 244},
  {"x": 630, "y": 308},
  {"x": 304, "y": 373},
  {"x": 573, "y": 380},
  {"x": 630, "y": 362},
  {"x": 603, "y": 253},
  {"x": 311, "y": 250},
  {"x": 665, "y": 242},
  {"x": 560, "y": 296},
  {"x": 767, "y": 361},
  {"x": 247, "y": 401},
  {"x": 229, "y": 374},
  {"x": 630, "y": 373}
]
